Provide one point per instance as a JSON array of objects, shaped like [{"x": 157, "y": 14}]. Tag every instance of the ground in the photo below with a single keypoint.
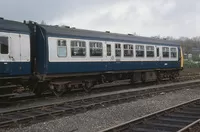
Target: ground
[
  {"x": 190, "y": 71},
  {"x": 103, "y": 118},
  {"x": 100, "y": 119}
]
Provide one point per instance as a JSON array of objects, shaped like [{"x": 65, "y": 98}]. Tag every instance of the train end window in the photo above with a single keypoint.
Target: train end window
[{"x": 3, "y": 45}]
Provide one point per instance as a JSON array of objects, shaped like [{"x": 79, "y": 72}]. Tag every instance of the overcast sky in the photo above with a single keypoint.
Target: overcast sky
[{"x": 144, "y": 17}]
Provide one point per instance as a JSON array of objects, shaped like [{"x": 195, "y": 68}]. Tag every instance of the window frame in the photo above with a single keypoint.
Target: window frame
[
  {"x": 157, "y": 51},
  {"x": 139, "y": 50},
  {"x": 118, "y": 47},
  {"x": 173, "y": 52},
  {"x": 129, "y": 47},
  {"x": 78, "y": 46},
  {"x": 147, "y": 50},
  {"x": 107, "y": 50},
  {"x": 59, "y": 46},
  {"x": 165, "y": 51},
  {"x": 95, "y": 46},
  {"x": 5, "y": 42}
]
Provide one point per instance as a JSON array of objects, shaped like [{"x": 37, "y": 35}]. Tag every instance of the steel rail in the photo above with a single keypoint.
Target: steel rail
[
  {"x": 37, "y": 114},
  {"x": 177, "y": 118},
  {"x": 191, "y": 127}
]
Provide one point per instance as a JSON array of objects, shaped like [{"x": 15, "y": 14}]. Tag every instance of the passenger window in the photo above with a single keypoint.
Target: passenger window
[
  {"x": 96, "y": 49},
  {"x": 61, "y": 48},
  {"x": 158, "y": 52},
  {"x": 3, "y": 45},
  {"x": 118, "y": 50},
  {"x": 150, "y": 51},
  {"x": 165, "y": 51},
  {"x": 173, "y": 52},
  {"x": 78, "y": 48},
  {"x": 128, "y": 50},
  {"x": 139, "y": 51},
  {"x": 108, "y": 50}
]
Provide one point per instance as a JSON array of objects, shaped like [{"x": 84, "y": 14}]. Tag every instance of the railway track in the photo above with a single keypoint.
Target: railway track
[
  {"x": 31, "y": 115},
  {"x": 24, "y": 98},
  {"x": 10, "y": 99},
  {"x": 182, "y": 118}
]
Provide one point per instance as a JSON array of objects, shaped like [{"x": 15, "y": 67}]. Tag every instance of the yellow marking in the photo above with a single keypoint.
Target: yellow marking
[{"x": 181, "y": 57}]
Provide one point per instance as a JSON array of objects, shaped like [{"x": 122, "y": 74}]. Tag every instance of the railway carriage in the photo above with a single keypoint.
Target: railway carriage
[
  {"x": 61, "y": 58},
  {"x": 14, "y": 53}
]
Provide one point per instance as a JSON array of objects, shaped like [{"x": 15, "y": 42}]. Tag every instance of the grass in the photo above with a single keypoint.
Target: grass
[{"x": 191, "y": 64}]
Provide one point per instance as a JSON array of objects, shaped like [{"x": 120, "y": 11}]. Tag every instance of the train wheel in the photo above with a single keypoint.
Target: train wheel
[
  {"x": 68, "y": 88},
  {"x": 132, "y": 80},
  {"x": 88, "y": 86},
  {"x": 158, "y": 77},
  {"x": 59, "y": 90},
  {"x": 143, "y": 79},
  {"x": 38, "y": 89}
]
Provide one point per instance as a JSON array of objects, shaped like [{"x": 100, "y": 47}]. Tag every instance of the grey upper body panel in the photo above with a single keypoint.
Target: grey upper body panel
[
  {"x": 63, "y": 31},
  {"x": 14, "y": 26}
]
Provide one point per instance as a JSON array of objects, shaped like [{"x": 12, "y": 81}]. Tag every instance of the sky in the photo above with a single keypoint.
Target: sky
[{"x": 175, "y": 18}]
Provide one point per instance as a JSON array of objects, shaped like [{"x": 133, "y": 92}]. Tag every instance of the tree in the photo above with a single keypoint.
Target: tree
[{"x": 43, "y": 22}]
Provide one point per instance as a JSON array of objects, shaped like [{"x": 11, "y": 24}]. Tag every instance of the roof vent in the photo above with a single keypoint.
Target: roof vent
[
  {"x": 73, "y": 28},
  {"x": 1, "y": 18},
  {"x": 130, "y": 34},
  {"x": 27, "y": 22},
  {"x": 30, "y": 22},
  {"x": 64, "y": 26},
  {"x": 107, "y": 31}
]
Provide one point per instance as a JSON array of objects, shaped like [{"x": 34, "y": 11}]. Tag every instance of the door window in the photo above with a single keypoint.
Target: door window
[
  {"x": 61, "y": 48},
  {"x": 3, "y": 45},
  {"x": 118, "y": 50},
  {"x": 157, "y": 50},
  {"x": 108, "y": 50}
]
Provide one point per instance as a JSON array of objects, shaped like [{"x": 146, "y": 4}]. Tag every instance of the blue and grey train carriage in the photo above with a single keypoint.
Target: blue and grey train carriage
[
  {"x": 61, "y": 58},
  {"x": 15, "y": 63}
]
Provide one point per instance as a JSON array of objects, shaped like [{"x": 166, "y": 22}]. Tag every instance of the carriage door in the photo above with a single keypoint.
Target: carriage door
[
  {"x": 4, "y": 55},
  {"x": 109, "y": 56},
  {"x": 158, "y": 56}
]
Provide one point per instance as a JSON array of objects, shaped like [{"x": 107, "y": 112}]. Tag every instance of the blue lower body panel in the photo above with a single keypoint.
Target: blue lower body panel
[
  {"x": 10, "y": 69},
  {"x": 87, "y": 67}
]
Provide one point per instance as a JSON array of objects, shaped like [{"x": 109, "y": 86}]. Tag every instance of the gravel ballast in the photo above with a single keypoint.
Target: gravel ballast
[{"x": 100, "y": 119}]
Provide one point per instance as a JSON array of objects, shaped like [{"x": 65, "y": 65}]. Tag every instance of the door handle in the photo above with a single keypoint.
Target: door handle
[{"x": 11, "y": 57}]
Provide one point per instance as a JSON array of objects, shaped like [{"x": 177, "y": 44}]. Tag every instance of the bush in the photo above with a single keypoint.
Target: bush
[{"x": 191, "y": 64}]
